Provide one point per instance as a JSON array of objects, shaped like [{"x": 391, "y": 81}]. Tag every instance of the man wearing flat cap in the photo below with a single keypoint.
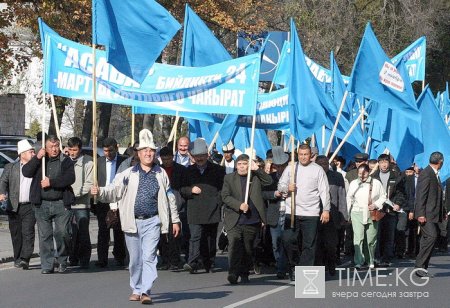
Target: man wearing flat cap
[
  {"x": 201, "y": 188},
  {"x": 15, "y": 188},
  {"x": 359, "y": 158},
  {"x": 242, "y": 219}
]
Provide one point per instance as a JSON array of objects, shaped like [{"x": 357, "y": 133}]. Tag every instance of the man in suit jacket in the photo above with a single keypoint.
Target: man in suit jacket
[
  {"x": 20, "y": 211},
  {"x": 243, "y": 220},
  {"x": 429, "y": 210},
  {"x": 107, "y": 167}
]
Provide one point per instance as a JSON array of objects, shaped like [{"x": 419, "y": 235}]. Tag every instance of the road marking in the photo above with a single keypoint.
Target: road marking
[{"x": 256, "y": 297}]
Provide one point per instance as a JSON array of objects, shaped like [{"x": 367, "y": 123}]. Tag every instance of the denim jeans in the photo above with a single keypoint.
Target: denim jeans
[
  {"x": 81, "y": 241},
  {"x": 142, "y": 247},
  {"x": 48, "y": 213},
  {"x": 277, "y": 245}
]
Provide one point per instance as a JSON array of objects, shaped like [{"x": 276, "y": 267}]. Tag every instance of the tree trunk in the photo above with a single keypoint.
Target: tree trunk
[
  {"x": 87, "y": 124},
  {"x": 104, "y": 120},
  {"x": 148, "y": 121}
]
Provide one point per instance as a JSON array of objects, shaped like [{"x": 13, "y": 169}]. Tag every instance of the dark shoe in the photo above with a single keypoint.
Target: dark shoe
[
  {"x": 281, "y": 275},
  {"x": 191, "y": 268},
  {"x": 62, "y": 268},
  {"x": 424, "y": 274},
  {"x": 74, "y": 263},
  {"x": 134, "y": 298},
  {"x": 257, "y": 269},
  {"x": 146, "y": 300},
  {"x": 162, "y": 267},
  {"x": 24, "y": 264},
  {"x": 292, "y": 274},
  {"x": 17, "y": 264},
  {"x": 47, "y": 271},
  {"x": 244, "y": 279},
  {"x": 120, "y": 263},
  {"x": 232, "y": 279},
  {"x": 173, "y": 268},
  {"x": 84, "y": 265},
  {"x": 101, "y": 264}
]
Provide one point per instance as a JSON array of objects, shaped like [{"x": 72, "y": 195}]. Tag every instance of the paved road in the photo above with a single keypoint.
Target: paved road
[{"x": 109, "y": 288}]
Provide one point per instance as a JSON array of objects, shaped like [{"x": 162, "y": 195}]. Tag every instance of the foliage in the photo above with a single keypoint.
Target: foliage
[{"x": 35, "y": 128}]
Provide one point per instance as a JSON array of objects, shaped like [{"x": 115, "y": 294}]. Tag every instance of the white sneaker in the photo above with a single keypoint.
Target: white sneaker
[{"x": 371, "y": 266}]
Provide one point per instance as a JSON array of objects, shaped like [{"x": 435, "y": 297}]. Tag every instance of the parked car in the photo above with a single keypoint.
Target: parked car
[
  {"x": 4, "y": 160},
  {"x": 11, "y": 140},
  {"x": 11, "y": 152}
]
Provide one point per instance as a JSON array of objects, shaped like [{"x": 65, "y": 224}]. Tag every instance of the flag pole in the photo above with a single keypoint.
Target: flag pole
[
  {"x": 133, "y": 124},
  {"x": 346, "y": 137},
  {"x": 292, "y": 181},
  {"x": 173, "y": 132},
  {"x": 214, "y": 141},
  {"x": 323, "y": 138},
  {"x": 55, "y": 117},
  {"x": 249, "y": 172},
  {"x": 94, "y": 116},
  {"x": 43, "y": 136},
  {"x": 344, "y": 98},
  {"x": 369, "y": 139}
]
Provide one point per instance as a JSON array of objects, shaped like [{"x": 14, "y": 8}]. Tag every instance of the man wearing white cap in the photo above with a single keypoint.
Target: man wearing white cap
[
  {"x": 228, "y": 152},
  {"x": 15, "y": 188},
  {"x": 144, "y": 199}
]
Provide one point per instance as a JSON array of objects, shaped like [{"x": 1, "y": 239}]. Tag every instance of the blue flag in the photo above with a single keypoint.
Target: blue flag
[
  {"x": 306, "y": 113},
  {"x": 415, "y": 57},
  {"x": 376, "y": 78},
  {"x": 436, "y": 136},
  {"x": 281, "y": 74},
  {"x": 200, "y": 46},
  {"x": 133, "y": 32},
  {"x": 338, "y": 88},
  {"x": 43, "y": 30}
]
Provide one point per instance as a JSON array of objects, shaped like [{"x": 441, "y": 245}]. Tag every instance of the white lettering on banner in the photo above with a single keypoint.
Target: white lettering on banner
[
  {"x": 104, "y": 70},
  {"x": 165, "y": 83},
  {"x": 319, "y": 72},
  {"x": 276, "y": 102},
  {"x": 213, "y": 97},
  {"x": 390, "y": 77},
  {"x": 411, "y": 69},
  {"x": 73, "y": 82}
]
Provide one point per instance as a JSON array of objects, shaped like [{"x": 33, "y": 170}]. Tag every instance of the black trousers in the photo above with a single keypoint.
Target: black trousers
[
  {"x": 429, "y": 233},
  {"x": 203, "y": 243},
  {"x": 300, "y": 242},
  {"x": 241, "y": 240},
  {"x": 327, "y": 241},
  {"x": 119, "y": 250},
  {"x": 21, "y": 228},
  {"x": 169, "y": 248}
]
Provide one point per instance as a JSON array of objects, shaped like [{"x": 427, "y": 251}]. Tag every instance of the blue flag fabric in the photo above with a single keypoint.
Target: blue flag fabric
[
  {"x": 436, "y": 136},
  {"x": 376, "y": 78},
  {"x": 281, "y": 74},
  {"x": 338, "y": 88},
  {"x": 133, "y": 32},
  {"x": 415, "y": 57},
  {"x": 305, "y": 108},
  {"x": 200, "y": 46}
]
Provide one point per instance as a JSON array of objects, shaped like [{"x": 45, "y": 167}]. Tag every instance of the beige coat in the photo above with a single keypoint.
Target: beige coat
[{"x": 124, "y": 190}]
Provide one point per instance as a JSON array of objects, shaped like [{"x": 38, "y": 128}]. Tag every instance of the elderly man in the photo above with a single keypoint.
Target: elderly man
[
  {"x": 15, "y": 188},
  {"x": 146, "y": 204},
  {"x": 243, "y": 219},
  {"x": 228, "y": 152},
  {"x": 312, "y": 204},
  {"x": 52, "y": 197},
  {"x": 201, "y": 188},
  {"x": 182, "y": 156}
]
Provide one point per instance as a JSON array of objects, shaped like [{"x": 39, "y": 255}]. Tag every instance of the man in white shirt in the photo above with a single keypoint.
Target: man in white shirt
[
  {"x": 312, "y": 204},
  {"x": 228, "y": 152}
]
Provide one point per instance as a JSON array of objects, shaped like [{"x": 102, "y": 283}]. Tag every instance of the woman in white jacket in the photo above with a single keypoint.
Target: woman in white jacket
[{"x": 358, "y": 208}]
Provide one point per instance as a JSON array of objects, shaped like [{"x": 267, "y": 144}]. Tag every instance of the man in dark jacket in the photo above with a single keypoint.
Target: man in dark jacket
[
  {"x": 429, "y": 211},
  {"x": 15, "y": 188},
  {"x": 107, "y": 168},
  {"x": 394, "y": 185},
  {"x": 169, "y": 246},
  {"x": 243, "y": 219},
  {"x": 52, "y": 196},
  {"x": 201, "y": 188},
  {"x": 327, "y": 239}
]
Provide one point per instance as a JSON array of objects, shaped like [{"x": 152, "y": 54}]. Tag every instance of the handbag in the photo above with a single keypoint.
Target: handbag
[
  {"x": 375, "y": 215},
  {"x": 112, "y": 219}
]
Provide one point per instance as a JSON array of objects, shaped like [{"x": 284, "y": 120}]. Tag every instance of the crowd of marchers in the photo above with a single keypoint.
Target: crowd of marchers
[{"x": 165, "y": 206}]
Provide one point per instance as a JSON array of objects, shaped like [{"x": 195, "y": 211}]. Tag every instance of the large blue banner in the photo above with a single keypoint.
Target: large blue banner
[
  {"x": 415, "y": 57},
  {"x": 228, "y": 87}
]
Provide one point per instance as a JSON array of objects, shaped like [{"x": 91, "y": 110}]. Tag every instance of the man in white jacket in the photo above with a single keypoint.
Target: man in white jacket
[{"x": 144, "y": 198}]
